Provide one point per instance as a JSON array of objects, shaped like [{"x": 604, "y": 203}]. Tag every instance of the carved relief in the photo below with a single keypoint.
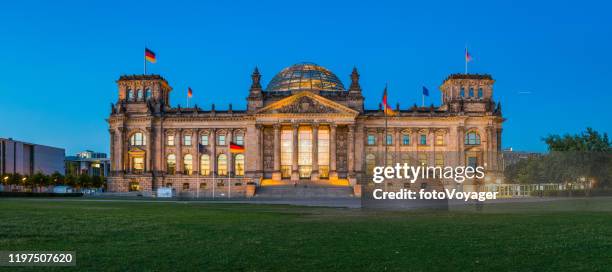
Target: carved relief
[
  {"x": 306, "y": 105},
  {"x": 268, "y": 149},
  {"x": 341, "y": 149}
]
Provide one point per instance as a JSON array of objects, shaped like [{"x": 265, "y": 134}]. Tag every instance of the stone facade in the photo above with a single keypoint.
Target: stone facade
[{"x": 298, "y": 130}]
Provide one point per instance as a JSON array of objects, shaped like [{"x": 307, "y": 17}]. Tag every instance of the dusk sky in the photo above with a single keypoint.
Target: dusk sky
[{"x": 59, "y": 60}]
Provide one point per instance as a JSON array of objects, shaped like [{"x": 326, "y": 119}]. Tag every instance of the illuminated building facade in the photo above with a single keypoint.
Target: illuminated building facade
[{"x": 304, "y": 127}]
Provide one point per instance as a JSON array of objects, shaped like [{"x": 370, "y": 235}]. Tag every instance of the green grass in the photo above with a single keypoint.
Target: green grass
[{"x": 168, "y": 236}]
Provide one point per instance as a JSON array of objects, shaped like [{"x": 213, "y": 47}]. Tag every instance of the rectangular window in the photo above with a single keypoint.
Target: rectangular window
[
  {"x": 423, "y": 139},
  {"x": 239, "y": 139},
  {"x": 406, "y": 139},
  {"x": 185, "y": 186},
  {"x": 473, "y": 161},
  {"x": 371, "y": 139},
  {"x": 423, "y": 159},
  {"x": 440, "y": 159},
  {"x": 204, "y": 139},
  {"x": 479, "y": 92},
  {"x": 389, "y": 140},
  {"x": 471, "y": 92},
  {"x": 462, "y": 92},
  {"x": 323, "y": 153},
  {"x": 221, "y": 140},
  {"x": 187, "y": 140},
  {"x": 170, "y": 140},
  {"x": 286, "y": 152},
  {"x": 439, "y": 139}
]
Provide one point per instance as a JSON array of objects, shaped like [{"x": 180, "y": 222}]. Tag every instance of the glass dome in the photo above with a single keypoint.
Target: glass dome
[{"x": 305, "y": 76}]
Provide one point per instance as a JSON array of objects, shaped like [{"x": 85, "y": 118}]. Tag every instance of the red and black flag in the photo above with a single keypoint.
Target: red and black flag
[
  {"x": 150, "y": 55},
  {"x": 388, "y": 110}
]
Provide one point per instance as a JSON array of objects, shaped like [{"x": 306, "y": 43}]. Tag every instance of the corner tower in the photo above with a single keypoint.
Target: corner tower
[
  {"x": 468, "y": 93},
  {"x": 143, "y": 93}
]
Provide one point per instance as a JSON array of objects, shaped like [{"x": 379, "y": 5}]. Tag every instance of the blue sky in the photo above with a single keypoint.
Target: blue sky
[{"x": 59, "y": 59}]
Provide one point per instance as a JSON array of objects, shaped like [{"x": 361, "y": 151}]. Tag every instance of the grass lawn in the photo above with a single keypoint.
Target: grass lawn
[{"x": 170, "y": 236}]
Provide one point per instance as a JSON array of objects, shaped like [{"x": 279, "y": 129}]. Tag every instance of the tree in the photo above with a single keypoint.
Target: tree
[
  {"x": 97, "y": 181},
  {"x": 38, "y": 180},
  {"x": 56, "y": 178},
  {"x": 84, "y": 181},
  {"x": 588, "y": 141}
]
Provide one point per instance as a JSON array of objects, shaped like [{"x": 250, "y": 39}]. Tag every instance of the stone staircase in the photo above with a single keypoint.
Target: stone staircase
[{"x": 304, "y": 191}]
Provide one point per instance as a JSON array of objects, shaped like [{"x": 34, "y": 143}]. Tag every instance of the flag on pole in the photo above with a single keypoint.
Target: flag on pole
[
  {"x": 468, "y": 57},
  {"x": 425, "y": 91},
  {"x": 387, "y": 108},
  {"x": 236, "y": 148},
  {"x": 189, "y": 92},
  {"x": 150, "y": 56}
]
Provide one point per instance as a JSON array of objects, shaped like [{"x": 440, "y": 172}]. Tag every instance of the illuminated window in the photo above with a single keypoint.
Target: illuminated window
[
  {"x": 185, "y": 186},
  {"x": 305, "y": 151},
  {"x": 439, "y": 139},
  {"x": 239, "y": 165},
  {"x": 479, "y": 92},
  {"x": 222, "y": 165},
  {"x": 205, "y": 165},
  {"x": 323, "y": 152},
  {"x": 406, "y": 139},
  {"x": 187, "y": 140},
  {"x": 240, "y": 139},
  {"x": 204, "y": 139},
  {"x": 139, "y": 94},
  {"x": 462, "y": 92},
  {"x": 389, "y": 139},
  {"x": 423, "y": 139},
  {"x": 137, "y": 139},
  {"x": 471, "y": 92},
  {"x": 439, "y": 159},
  {"x": 138, "y": 164},
  {"x": 370, "y": 164},
  {"x": 286, "y": 151},
  {"x": 371, "y": 139},
  {"x": 422, "y": 159},
  {"x": 171, "y": 164},
  {"x": 390, "y": 159},
  {"x": 472, "y": 138},
  {"x": 221, "y": 139},
  {"x": 147, "y": 93},
  {"x": 170, "y": 140},
  {"x": 188, "y": 164}
]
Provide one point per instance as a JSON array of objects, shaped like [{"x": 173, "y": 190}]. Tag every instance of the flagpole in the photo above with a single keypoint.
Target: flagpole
[{"x": 385, "y": 136}]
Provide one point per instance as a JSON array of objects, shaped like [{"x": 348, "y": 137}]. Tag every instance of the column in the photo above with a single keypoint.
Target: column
[
  {"x": 196, "y": 159},
  {"x": 460, "y": 145},
  {"x": 315, "y": 152},
  {"x": 351, "y": 150},
  {"x": 121, "y": 132},
  {"x": 294, "y": 165},
  {"x": 332, "y": 151},
  {"x": 148, "y": 155},
  {"x": 111, "y": 132},
  {"x": 380, "y": 143},
  {"x": 230, "y": 158},
  {"x": 397, "y": 141},
  {"x": 178, "y": 141},
  {"x": 276, "y": 175},
  {"x": 212, "y": 140},
  {"x": 260, "y": 147}
]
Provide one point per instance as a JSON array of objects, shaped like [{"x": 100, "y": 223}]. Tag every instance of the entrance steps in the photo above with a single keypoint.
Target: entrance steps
[{"x": 304, "y": 191}]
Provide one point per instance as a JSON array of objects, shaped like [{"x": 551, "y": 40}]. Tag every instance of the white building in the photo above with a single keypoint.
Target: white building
[{"x": 28, "y": 159}]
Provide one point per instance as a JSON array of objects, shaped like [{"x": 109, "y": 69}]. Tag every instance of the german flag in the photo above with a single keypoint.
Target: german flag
[
  {"x": 149, "y": 55},
  {"x": 388, "y": 110},
  {"x": 236, "y": 148},
  {"x": 189, "y": 92}
]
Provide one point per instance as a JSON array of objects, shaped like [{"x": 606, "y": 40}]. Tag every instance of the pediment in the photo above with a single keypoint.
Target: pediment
[{"x": 306, "y": 103}]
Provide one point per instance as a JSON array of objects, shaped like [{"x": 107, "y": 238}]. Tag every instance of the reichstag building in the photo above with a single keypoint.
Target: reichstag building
[{"x": 305, "y": 127}]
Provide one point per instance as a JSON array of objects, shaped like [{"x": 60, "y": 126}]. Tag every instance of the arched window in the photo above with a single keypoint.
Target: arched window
[
  {"x": 139, "y": 94},
  {"x": 462, "y": 92},
  {"x": 239, "y": 165},
  {"x": 479, "y": 92},
  {"x": 472, "y": 138},
  {"x": 188, "y": 164},
  {"x": 205, "y": 165},
  {"x": 222, "y": 165},
  {"x": 138, "y": 139},
  {"x": 171, "y": 164},
  {"x": 471, "y": 92},
  {"x": 130, "y": 94},
  {"x": 370, "y": 164},
  {"x": 147, "y": 93}
]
